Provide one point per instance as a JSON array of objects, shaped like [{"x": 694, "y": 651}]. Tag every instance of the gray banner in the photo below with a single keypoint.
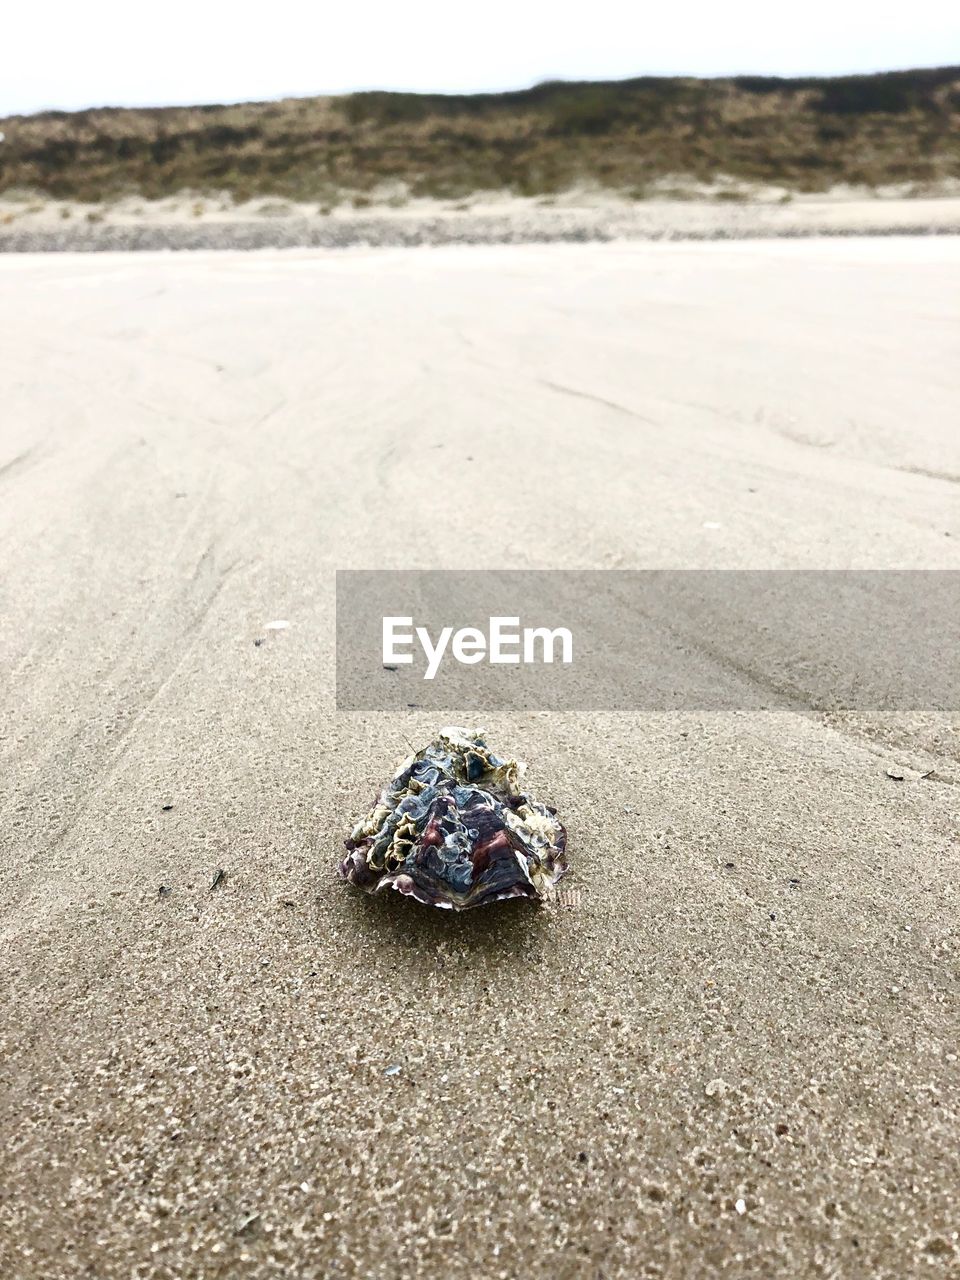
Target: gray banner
[{"x": 654, "y": 640}]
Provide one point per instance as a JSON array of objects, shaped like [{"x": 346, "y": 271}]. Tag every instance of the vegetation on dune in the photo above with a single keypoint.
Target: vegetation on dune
[{"x": 805, "y": 134}]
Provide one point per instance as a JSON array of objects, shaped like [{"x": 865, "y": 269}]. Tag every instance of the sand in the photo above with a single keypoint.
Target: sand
[
  {"x": 736, "y": 1054},
  {"x": 672, "y": 211}
]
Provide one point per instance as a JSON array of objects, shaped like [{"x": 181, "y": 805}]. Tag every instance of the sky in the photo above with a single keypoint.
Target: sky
[{"x": 68, "y": 54}]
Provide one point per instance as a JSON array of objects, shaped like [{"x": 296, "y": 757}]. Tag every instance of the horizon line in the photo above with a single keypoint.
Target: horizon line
[{"x": 470, "y": 93}]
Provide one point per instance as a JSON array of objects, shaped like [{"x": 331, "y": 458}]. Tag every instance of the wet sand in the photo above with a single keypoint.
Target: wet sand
[{"x": 737, "y": 1052}]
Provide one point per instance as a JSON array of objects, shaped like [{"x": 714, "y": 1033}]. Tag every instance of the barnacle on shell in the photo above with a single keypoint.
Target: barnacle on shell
[{"x": 453, "y": 829}]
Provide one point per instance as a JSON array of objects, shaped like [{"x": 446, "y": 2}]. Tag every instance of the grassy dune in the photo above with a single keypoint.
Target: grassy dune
[{"x": 805, "y": 134}]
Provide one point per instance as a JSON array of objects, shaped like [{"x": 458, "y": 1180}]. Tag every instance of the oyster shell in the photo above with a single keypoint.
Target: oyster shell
[{"x": 453, "y": 829}]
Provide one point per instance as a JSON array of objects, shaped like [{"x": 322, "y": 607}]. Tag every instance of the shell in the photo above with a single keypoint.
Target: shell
[{"x": 453, "y": 829}]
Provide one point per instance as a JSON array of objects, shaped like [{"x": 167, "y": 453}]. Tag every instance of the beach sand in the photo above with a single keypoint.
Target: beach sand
[
  {"x": 735, "y": 1052},
  {"x": 681, "y": 211}
]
